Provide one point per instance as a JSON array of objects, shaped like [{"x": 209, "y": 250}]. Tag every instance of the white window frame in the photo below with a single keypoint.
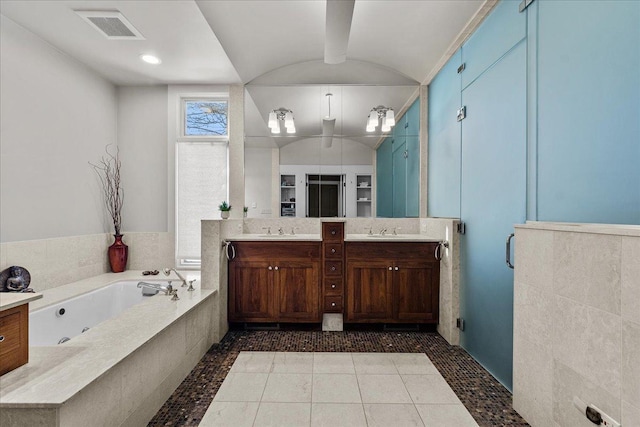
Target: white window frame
[{"x": 184, "y": 98}]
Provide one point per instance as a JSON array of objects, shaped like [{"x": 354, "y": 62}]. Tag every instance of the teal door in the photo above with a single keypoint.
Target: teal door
[
  {"x": 399, "y": 179},
  {"x": 493, "y": 199},
  {"x": 384, "y": 179},
  {"x": 413, "y": 177}
]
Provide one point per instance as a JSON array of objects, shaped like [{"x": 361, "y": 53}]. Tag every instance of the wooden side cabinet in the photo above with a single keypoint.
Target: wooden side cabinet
[
  {"x": 275, "y": 282},
  {"x": 392, "y": 282},
  {"x": 14, "y": 338}
]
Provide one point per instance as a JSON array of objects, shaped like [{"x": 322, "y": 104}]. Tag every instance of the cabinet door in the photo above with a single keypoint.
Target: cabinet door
[
  {"x": 416, "y": 291},
  {"x": 384, "y": 179},
  {"x": 297, "y": 284},
  {"x": 369, "y": 291},
  {"x": 251, "y": 292},
  {"x": 400, "y": 181},
  {"x": 413, "y": 176}
]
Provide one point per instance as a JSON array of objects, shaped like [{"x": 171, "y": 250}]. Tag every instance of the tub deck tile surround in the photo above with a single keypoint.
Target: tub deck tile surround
[
  {"x": 54, "y": 375},
  {"x": 488, "y": 402},
  {"x": 13, "y": 299}
]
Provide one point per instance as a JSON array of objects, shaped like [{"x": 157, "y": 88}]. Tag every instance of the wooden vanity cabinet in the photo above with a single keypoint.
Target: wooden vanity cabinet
[
  {"x": 275, "y": 282},
  {"x": 14, "y": 338},
  {"x": 333, "y": 266},
  {"x": 395, "y": 282}
]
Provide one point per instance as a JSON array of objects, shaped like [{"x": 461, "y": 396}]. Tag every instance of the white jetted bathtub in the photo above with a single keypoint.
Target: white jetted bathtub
[{"x": 61, "y": 322}]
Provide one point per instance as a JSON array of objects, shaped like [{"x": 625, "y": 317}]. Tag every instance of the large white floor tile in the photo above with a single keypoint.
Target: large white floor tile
[
  {"x": 253, "y": 361},
  {"x": 333, "y": 363},
  {"x": 283, "y": 414},
  {"x": 386, "y": 415},
  {"x": 383, "y": 389},
  {"x": 413, "y": 363},
  {"x": 230, "y": 414},
  {"x": 429, "y": 389},
  {"x": 336, "y": 388},
  {"x": 242, "y": 387},
  {"x": 373, "y": 363},
  {"x": 288, "y": 388},
  {"x": 293, "y": 363},
  {"x": 337, "y": 415},
  {"x": 446, "y": 416}
]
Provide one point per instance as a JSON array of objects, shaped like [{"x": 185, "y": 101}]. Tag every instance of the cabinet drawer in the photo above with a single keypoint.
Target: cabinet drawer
[
  {"x": 14, "y": 344},
  {"x": 332, "y": 231},
  {"x": 333, "y": 304},
  {"x": 333, "y": 250},
  {"x": 333, "y": 286},
  {"x": 333, "y": 268}
]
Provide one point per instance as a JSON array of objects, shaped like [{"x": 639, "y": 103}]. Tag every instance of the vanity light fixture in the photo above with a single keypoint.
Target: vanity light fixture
[
  {"x": 381, "y": 112},
  {"x": 281, "y": 114}
]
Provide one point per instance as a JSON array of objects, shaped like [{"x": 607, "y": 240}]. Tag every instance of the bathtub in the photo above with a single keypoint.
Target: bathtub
[{"x": 61, "y": 322}]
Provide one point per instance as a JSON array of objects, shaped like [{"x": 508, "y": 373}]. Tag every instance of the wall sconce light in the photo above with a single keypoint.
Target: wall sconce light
[
  {"x": 381, "y": 112},
  {"x": 281, "y": 114}
]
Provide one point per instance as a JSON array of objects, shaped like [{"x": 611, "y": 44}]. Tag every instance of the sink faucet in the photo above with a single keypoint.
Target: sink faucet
[
  {"x": 370, "y": 230},
  {"x": 383, "y": 231},
  {"x": 167, "y": 289},
  {"x": 280, "y": 231},
  {"x": 395, "y": 230},
  {"x": 168, "y": 271},
  {"x": 293, "y": 230},
  {"x": 268, "y": 230}
]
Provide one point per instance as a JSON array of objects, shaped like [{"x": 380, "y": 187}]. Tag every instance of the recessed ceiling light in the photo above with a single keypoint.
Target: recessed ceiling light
[{"x": 150, "y": 59}]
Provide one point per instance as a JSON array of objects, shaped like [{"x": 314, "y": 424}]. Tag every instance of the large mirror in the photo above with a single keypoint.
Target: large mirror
[{"x": 324, "y": 162}]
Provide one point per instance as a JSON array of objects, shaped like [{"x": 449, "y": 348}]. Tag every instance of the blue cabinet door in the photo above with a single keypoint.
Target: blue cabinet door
[
  {"x": 400, "y": 181},
  {"x": 493, "y": 199},
  {"x": 412, "y": 125},
  {"x": 413, "y": 177},
  {"x": 384, "y": 179}
]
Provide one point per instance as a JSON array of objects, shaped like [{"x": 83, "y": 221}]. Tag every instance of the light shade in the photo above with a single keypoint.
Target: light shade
[
  {"x": 276, "y": 128},
  {"x": 373, "y": 119},
  {"x": 273, "y": 120},
  {"x": 288, "y": 120},
  {"x": 391, "y": 118},
  {"x": 370, "y": 128},
  {"x": 291, "y": 129},
  {"x": 385, "y": 125}
]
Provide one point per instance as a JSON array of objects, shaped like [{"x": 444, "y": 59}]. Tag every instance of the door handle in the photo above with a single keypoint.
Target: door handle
[
  {"x": 437, "y": 253},
  {"x": 508, "y": 250}
]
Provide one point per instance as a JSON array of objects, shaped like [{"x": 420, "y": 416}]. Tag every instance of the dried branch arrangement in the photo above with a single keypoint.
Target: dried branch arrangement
[{"x": 108, "y": 170}]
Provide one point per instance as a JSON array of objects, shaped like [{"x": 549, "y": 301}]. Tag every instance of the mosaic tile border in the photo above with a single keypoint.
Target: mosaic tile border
[{"x": 487, "y": 400}]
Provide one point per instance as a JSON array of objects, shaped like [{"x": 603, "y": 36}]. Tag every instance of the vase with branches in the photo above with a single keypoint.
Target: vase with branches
[{"x": 108, "y": 171}]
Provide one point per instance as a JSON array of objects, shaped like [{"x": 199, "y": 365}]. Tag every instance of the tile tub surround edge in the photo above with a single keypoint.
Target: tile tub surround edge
[
  {"x": 613, "y": 229},
  {"x": 56, "y": 374}
]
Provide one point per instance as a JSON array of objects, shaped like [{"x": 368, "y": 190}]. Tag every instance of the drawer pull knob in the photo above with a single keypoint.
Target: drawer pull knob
[
  {"x": 333, "y": 250},
  {"x": 270, "y": 268},
  {"x": 390, "y": 268},
  {"x": 333, "y": 304},
  {"x": 333, "y": 286},
  {"x": 1, "y": 338},
  {"x": 333, "y": 232},
  {"x": 397, "y": 268},
  {"x": 276, "y": 268}
]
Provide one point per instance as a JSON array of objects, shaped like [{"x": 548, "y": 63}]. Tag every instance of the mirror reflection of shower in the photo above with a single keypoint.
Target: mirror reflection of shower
[{"x": 325, "y": 196}]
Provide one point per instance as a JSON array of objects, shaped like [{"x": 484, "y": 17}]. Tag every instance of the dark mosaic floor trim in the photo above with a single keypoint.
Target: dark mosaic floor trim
[{"x": 485, "y": 398}]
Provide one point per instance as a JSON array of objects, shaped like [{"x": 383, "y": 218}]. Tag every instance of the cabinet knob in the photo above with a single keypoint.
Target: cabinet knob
[
  {"x": 333, "y": 286},
  {"x": 333, "y": 250},
  {"x": 333, "y": 268},
  {"x": 1, "y": 338},
  {"x": 333, "y": 232},
  {"x": 397, "y": 268},
  {"x": 333, "y": 304},
  {"x": 390, "y": 268},
  {"x": 277, "y": 268},
  {"x": 270, "y": 268}
]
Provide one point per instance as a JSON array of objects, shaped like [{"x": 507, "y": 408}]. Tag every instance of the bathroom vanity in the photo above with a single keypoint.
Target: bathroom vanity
[
  {"x": 367, "y": 278},
  {"x": 14, "y": 329}
]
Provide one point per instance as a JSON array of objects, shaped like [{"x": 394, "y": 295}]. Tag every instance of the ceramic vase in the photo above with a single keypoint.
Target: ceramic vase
[
  {"x": 118, "y": 254},
  {"x": 224, "y": 214}
]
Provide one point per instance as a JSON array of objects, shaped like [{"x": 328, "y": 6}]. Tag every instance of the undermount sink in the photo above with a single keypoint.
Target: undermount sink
[{"x": 274, "y": 236}]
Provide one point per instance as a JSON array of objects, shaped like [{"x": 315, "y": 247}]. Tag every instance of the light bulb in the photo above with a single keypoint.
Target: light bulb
[
  {"x": 273, "y": 120},
  {"x": 391, "y": 118}
]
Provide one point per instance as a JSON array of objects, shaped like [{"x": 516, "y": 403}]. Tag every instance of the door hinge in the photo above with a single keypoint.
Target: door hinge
[
  {"x": 524, "y": 4},
  {"x": 461, "y": 113},
  {"x": 462, "y": 67},
  {"x": 460, "y": 323},
  {"x": 461, "y": 228}
]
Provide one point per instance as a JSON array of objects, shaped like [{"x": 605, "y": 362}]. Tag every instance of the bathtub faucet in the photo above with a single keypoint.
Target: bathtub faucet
[
  {"x": 167, "y": 289},
  {"x": 168, "y": 271}
]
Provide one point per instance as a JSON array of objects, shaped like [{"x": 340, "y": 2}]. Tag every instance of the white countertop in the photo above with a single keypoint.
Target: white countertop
[
  {"x": 390, "y": 238},
  {"x": 13, "y": 299},
  {"x": 275, "y": 237},
  {"x": 55, "y": 374}
]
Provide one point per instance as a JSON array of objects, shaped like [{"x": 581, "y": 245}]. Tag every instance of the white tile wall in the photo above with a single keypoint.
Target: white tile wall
[{"x": 576, "y": 323}]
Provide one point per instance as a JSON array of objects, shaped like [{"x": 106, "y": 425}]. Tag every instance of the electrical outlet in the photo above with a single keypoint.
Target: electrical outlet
[
  {"x": 607, "y": 421},
  {"x": 594, "y": 414}
]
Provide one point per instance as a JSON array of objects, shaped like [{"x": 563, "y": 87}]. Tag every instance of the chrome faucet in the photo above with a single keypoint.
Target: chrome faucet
[
  {"x": 268, "y": 230},
  {"x": 293, "y": 230},
  {"x": 168, "y": 271},
  {"x": 383, "y": 231},
  {"x": 395, "y": 230},
  {"x": 280, "y": 231},
  {"x": 167, "y": 289},
  {"x": 370, "y": 230}
]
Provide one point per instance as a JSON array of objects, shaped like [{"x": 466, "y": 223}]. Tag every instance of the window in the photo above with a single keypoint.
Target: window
[
  {"x": 205, "y": 117},
  {"x": 201, "y": 172}
]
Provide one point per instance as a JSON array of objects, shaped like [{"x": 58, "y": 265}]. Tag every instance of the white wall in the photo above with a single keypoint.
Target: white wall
[
  {"x": 55, "y": 116},
  {"x": 142, "y": 139}
]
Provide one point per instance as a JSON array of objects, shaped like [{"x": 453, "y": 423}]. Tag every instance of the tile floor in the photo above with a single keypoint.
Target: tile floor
[
  {"x": 335, "y": 389},
  {"x": 488, "y": 402}
]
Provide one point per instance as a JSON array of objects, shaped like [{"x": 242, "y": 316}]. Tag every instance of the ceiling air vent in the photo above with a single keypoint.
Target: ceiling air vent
[{"x": 111, "y": 24}]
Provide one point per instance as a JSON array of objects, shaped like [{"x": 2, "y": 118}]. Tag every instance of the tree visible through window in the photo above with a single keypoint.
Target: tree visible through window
[{"x": 205, "y": 118}]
